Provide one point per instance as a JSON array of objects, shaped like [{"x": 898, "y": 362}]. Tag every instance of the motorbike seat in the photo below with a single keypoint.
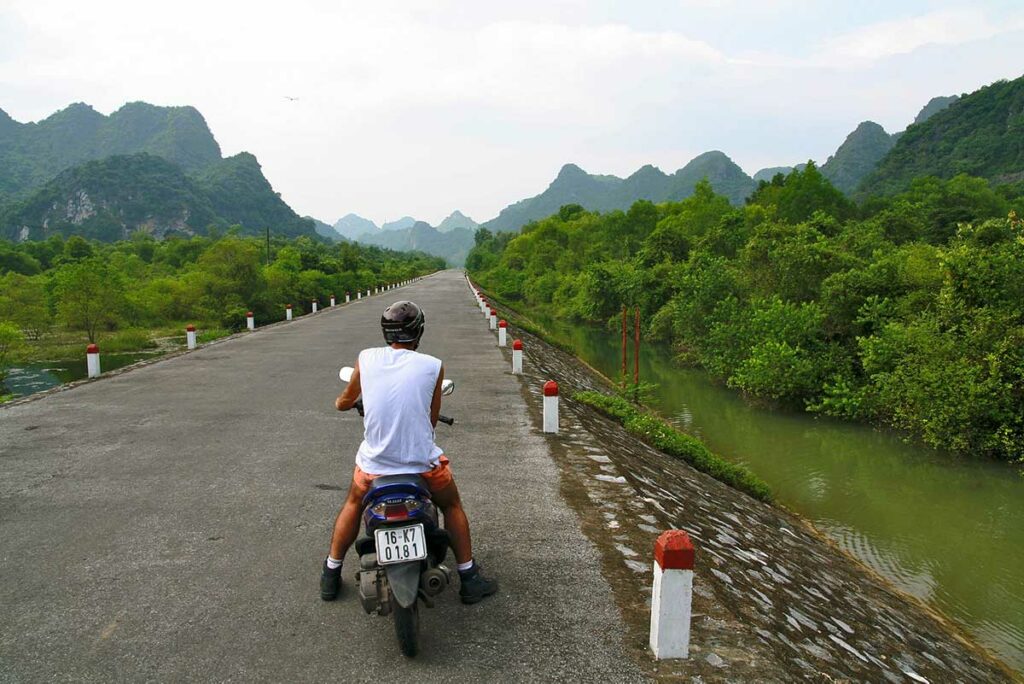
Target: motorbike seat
[{"x": 396, "y": 484}]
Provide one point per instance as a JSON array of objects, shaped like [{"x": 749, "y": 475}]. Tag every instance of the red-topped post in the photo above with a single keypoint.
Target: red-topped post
[
  {"x": 551, "y": 407},
  {"x": 288, "y": 312},
  {"x": 92, "y": 361},
  {"x": 502, "y": 333},
  {"x": 190, "y": 336},
  {"x": 492, "y": 320},
  {"x": 672, "y": 595},
  {"x": 250, "y": 322},
  {"x": 517, "y": 357}
]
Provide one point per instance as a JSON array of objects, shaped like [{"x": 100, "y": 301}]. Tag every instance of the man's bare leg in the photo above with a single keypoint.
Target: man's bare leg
[
  {"x": 474, "y": 586},
  {"x": 346, "y": 528},
  {"x": 455, "y": 521}
]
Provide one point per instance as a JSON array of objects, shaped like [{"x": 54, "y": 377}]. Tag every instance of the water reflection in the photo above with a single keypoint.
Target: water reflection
[
  {"x": 36, "y": 377},
  {"x": 947, "y": 530}
]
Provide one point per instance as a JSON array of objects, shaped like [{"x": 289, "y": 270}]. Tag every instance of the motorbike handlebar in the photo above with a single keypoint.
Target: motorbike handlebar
[{"x": 441, "y": 419}]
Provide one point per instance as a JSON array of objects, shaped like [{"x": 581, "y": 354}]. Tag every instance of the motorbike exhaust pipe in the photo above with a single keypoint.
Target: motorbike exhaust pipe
[{"x": 433, "y": 581}]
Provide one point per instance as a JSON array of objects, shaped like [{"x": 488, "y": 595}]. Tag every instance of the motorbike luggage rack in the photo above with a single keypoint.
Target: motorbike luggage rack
[{"x": 391, "y": 485}]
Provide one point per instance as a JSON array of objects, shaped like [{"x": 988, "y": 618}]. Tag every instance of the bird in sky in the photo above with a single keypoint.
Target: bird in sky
[{"x": 291, "y": 99}]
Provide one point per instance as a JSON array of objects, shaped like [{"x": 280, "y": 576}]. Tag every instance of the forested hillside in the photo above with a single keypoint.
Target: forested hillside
[
  {"x": 33, "y": 153},
  {"x": 908, "y": 311},
  {"x": 981, "y": 134},
  {"x": 155, "y": 169},
  {"x": 858, "y": 156},
  {"x": 573, "y": 185}
]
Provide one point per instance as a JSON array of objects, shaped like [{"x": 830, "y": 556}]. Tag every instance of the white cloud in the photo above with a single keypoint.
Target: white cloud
[
  {"x": 424, "y": 106},
  {"x": 901, "y": 36}
]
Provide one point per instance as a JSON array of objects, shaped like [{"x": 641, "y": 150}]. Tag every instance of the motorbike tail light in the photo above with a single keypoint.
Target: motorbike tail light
[
  {"x": 395, "y": 512},
  {"x": 378, "y": 509},
  {"x": 413, "y": 505}
]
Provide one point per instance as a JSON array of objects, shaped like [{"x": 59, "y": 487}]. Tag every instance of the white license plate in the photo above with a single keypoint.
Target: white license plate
[{"x": 400, "y": 544}]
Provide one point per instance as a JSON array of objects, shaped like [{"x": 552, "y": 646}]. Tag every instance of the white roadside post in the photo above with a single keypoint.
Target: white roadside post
[
  {"x": 493, "y": 320},
  {"x": 502, "y": 334},
  {"x": 348, "y": 297},
  {"x": 250, "y": 322},
  {"x": 92, "y": 361},
  {"x": 367, "y": 292},
  {"x": 314, "y": 306},
  {"x": 190, "y": 336},
  {"x": 517, "y": 357},
  {"x": 551, "y": 407},
  {"x": 288, "y": 312},
  {"x": 332, "y": 300},
  {"x": 359, "y": 295},
  {"x": 673, "y": 592}
]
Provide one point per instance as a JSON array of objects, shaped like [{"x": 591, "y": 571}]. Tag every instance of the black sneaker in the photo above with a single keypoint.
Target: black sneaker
[
  {"x": 330, "y": 582},
  {"x": 474, "y": 586}
]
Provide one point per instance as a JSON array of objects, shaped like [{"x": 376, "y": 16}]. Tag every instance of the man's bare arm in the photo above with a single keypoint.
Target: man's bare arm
[
  {"x": 435, "y": 402},
  {"x": 347, "y": 399}
]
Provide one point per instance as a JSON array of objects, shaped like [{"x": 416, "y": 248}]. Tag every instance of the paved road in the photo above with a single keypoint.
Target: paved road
[{"x": 169, "y": 523}]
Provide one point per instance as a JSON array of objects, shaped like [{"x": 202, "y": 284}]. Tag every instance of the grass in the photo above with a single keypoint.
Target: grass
[
  {"x": 662, "y": 436},
  {"x": 127, "y": 340},
  {"x": 69, "y": 344}
]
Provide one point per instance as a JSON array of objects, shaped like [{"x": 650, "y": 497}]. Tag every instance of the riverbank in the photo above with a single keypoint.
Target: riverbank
[
  {"x": 842, "y": 583},
  {"x": 769, "y": 574}
]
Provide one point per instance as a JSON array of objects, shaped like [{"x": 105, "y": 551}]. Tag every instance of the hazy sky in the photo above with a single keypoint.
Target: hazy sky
[{"x": 426, "y": 106}]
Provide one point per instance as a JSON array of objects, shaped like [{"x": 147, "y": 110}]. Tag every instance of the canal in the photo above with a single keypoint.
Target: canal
[{"x": 945, "y": 529}]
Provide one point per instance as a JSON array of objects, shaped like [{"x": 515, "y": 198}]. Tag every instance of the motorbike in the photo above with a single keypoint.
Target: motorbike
[{"x": 402, "y": 547}]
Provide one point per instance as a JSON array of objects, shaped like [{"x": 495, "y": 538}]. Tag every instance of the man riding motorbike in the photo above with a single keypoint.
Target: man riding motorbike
[{"x": 401, "y": 394}]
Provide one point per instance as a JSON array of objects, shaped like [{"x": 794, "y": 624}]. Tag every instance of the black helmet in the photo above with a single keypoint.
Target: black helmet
[{"x": 402, "y": 322}]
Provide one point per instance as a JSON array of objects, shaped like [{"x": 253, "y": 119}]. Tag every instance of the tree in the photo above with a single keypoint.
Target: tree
[
  {"x": 90, "y": 295},
  {"x": 23, "y": 303},
  {"x": 11, "y": 340}
]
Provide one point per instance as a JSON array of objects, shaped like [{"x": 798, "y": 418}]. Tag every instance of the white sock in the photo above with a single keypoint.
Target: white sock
[
  {"x": 464, "y": 567},
  {"x": 333, "y": 563}
]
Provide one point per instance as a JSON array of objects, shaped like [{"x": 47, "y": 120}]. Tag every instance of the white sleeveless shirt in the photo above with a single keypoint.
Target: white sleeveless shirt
[{"x": 398, "y": 386}]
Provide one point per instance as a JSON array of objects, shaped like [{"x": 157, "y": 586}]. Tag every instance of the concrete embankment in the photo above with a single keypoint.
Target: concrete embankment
[
  {"x": 169, "y": 523},
  {"x": 773, "y": 600}
]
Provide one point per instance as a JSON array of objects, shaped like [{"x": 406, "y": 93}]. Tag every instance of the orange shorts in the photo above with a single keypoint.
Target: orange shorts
[{"x": 438, "y": 477}]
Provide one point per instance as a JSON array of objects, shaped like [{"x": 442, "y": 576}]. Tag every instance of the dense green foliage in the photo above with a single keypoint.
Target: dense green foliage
[
  {"x": 979, "y": 134},
  {"x": 99, "y": 288},
  {"x": 664, "y": 437},
  {"x": 907, "y": 311}
]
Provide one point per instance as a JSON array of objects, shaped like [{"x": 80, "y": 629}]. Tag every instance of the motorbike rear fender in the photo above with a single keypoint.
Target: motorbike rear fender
[{"x": 404, "y": 580}]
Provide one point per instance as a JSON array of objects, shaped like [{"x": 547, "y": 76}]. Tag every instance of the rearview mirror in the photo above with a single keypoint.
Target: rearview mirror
[
  {"x": 346, "y": 374},
  {"x": 447, "y": 387}
]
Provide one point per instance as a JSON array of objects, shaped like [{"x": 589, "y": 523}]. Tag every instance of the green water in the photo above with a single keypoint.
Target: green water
[
  {"x": 945, "y": 529},
  {"x": 35, "y": 377}
]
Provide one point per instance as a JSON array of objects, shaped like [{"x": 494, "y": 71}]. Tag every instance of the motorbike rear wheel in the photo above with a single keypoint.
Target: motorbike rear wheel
[{"x": 407, "y": 629}]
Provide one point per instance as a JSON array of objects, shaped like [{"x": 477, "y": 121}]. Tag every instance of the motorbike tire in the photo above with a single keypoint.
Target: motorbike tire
[{"x": 407, "y": 629}]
